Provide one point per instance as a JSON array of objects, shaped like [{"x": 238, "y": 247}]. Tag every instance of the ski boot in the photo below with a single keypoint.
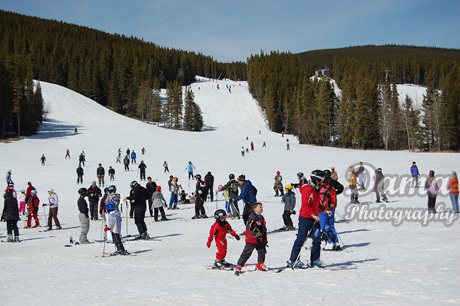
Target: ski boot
[
  {"x": 291, "y": 228},
  {"x": 219, "y": 264},
  {"x": 59, "y": 227},
  {"x": 298, "y": 265},
  {"x": 145, "y": 236},
  {"x": 124, "y": 252},
  {"x": 164, "y": 219},
  {"x": 226, "y": 264},
  {"x": 238, "y": 271},
  {"x": 195, "y": 217},
  {"x": 337, "y": 248},
  {"x": 229, "y": 215},
  {"x": 261, "y": 267},
  {"x": 16, "y": 239},
  {"x": 203, "y": 217},
  {"x": 284, "y": 228},
  {"x": 10, "y": 238},
  {"x": 318, "y": 263},
  {"x": 37, "y": 225}
]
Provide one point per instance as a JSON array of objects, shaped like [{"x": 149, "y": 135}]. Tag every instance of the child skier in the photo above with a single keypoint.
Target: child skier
[
  {"x": 219, "y": 230},
  {"x": 114, "y": 220},
  {"x": 353, "y": 182},
  {"x": 289, "y": 204},
  {"x": 157, "y": 204},
  {"x": 22, "y": 202},
  {"x": 33, "y": 209},
  {"x": 256, "y": 238}
]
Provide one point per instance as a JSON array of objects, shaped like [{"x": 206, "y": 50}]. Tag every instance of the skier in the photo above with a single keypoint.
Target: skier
[
  {"x": 53, "y": 212},
  {"x": 360, "y": 173},
  {"x": 94, "y": 193},
  {"x": 432, "y": 187},
  {"x": 83, "y": 215},
  {"x": 453, "y": 192},
  {"x": 67, "y": 154},
  {"x": 137, "y": 197},
  {"x": 102, "y": 203},
  {"x": 174, "y": 188},
  {"x": 232, "y": 188},
  {"x": 248, "y": 195},
  {"x": 256, "y": 238},
  {"x": 43, "y": 159},
  {"x": 282, "y": 133},
  {"x": 22, "y": 202},
  {"x": 82, "y": 159},
  {"x": 158, "y": 201},
  {"x": 190, "y": 168},
  {"x": 379, "y": 186},
  {"x": 118, "y": 160},
  {"x": 114, "y": 220},
  {"x": 33, "y": 206},
  {"x": 288, "y": 199},
  {"x": 199, "y": 200},
  {"x": 80, "y": 173},
  {"x": 278, "y": 186},
  {"x": 328, "y": 193},
  {"x": 151, "y": 186},
  {"x": 219, "y": 231},
  {"x": 10, "y": 214},
  {"x": 142, "y": 167},
  {"x": 242, "y": 151},
  {"x": 100, "y": 175},
  {"x": 128, "y": 151},
  {"x": 8, "y": 177},
  {"x": 11, "y": 187},
  {"x": 143, "y": 151},
  {"x": 209, "y": 186},
  {"x": 288, "y": 147},
  {"x": 75, "y": 131},
  {"x": 30, "y": 187},
  {"x": 111, "y": 173},
  {"x": 264, "y": 145},
  {"x": 334, "y": 174},
  {"x": 309, "y": 219},
  {"x": 165, "y": 165},
  {"x": 247, "y": 150},
  {"x": 133, "y": 157},
  {"x": 126, "y": 163},
  {"x": 252, "y": 146},
  {"x": 415, "y": 174},
  {"x": 353, "y": 188}
]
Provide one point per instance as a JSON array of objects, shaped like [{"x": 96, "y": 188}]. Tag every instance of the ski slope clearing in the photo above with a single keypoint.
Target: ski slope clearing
[{"x": 381, "y": 263}]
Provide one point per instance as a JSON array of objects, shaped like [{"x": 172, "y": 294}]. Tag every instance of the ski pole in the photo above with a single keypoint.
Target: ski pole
[
  {"x": 102, "y": 228},
  {"x": 105, "y": 238},
  {"x": 126, "y": 208}
]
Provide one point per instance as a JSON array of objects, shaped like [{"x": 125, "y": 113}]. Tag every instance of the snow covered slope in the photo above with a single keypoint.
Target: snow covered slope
[{"x": 403, "y": 265}]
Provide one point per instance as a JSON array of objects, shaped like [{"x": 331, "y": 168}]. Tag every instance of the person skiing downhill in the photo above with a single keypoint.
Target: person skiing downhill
[
  {"x": 190, "y": 168},
  {"x": 165, "y": 165},
  {"x": 309, "y": 222},
  {"x": 113, "y": 218},
  {"x": 43, "y": 159},
  {"x": 219, "y": 231}
]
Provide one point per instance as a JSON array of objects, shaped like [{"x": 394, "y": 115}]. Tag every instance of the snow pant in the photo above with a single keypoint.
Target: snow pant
[
  {"x": 221, "y": 249},
  {"x": 112, "y": 177},
  {"x": 414, "y": 181},
  {"x": 80, "y": 179},
  {"x": 166, "y": 169},
  {"x": 199, "y": 207},
  {"x": 67, "y": 155},
  {"x": 173, "y": 200},
  {"x": 150, "y": 202},
  {"x": 126, "y": 167},
  {"x": 208, "y": 191},
  {"x": 305, "y": 224},
  {"x": 327, "y": 226},
  {"x": 35, "y": 216},
  {"x": 454, "y": 199},
  {"x": 84, "y": 228},
  {"x": 354, "y": 193},
  {"x": 431, "y": 203},
  {"x": 384, "y": 197},
  {"x": 139, "y": 215},
  {"x": 190, "y": 175},
  {"x": 12, "y": 226},
  {"x": 117, "y": 241},
  {"x": 22, "y": 207},
  {"x": 360, "y": 180},
  {"x": 131, "y": 211},
  {"x": 227, "y": 207},
  {"x": 287, "y": 218},
  {"x": 101, "y": 180},
  {"x": 246, "y": 212},
  {"x": 247, "y": 252},
  {"x": 133, "y": 160},
  {"x": 93, "y": 209},
  {"x": 162, "y": 211},
  {"x": 53, "y": 216},
  {"x": 114, "y": 221},
  {"x": 142, "y": 175},
  {"x": 279, "y": 192}
]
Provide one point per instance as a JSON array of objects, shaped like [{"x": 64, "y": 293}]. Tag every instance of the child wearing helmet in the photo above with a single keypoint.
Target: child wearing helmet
[
  {"x": 157, "y": 204},
  {"x": 219, "y": 231},
  {"x": 288, "y": 199},
  {"x": 113, "y": 218},
  {"x": 33, "y": 209}
]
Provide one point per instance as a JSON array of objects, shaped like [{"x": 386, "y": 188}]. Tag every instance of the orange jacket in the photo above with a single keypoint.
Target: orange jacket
[{"x": 453, "y": 186}]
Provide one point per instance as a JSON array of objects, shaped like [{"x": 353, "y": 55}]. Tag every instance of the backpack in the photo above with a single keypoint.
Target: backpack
[{"x": 234, "y": 187}]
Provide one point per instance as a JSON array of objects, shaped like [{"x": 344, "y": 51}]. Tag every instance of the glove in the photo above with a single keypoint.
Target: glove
[
  {"x": 237, "y": 237},
  {"x": 106, "y": 229},
  {"x": 208, "y": 244},
  {"x": 44, "y": 204}
]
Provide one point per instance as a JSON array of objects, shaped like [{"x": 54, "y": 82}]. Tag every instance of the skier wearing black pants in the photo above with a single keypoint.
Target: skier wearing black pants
[
  {"x": 199, "y": 200},
  {"x": 248, "y": 195},
  {"x": 94, "y": 193},
  {"x": 209, "y": 185},
  {"x": 138, "y": 197},
  {"x": 142, "y": 167},
  {"x": 151, "y": 188},
  {"x": 10, "y": 214},
  {"x": 80, "y": 175}
]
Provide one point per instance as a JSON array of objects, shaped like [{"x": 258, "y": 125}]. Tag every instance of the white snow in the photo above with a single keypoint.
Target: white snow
[
  {"x": 402, "y": 265},
  {"x": 415, "y": 92}
]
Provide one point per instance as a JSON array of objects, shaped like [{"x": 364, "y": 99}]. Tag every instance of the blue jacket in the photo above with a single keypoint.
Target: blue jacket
[
  {"x": 133, "y": 155},
  {"x": 414, "y": 171},
  {"x": 248, "y": 193},
  {"x": 190, "y": 167}
]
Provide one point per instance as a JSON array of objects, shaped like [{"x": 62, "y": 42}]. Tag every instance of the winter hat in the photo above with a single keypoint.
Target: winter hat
[
  {"x": 158, "y": 188},
  {"x": 454, "y": 174},
  {"x": 51, "y": 190},
  {"x": 242, "y": 178}
]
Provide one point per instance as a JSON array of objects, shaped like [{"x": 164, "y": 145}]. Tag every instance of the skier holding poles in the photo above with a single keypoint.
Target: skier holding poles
[{"x": 114, "y": 220}]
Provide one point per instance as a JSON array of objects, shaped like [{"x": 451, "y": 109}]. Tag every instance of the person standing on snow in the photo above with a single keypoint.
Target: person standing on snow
[
  {"x": 334, "y": 174},
  {"x": 278, "y": 186},
  {"x": 360, "y": 173},
  {"x": 8, "y": 177},
  {"x": 232, "y": 188},
  {"x": 94, "y": 193},
  {"x": 453, "y": 192},
  {"x": 133, "y": 157},
  {"x": 190, "y": 168},
  {"x": 165, "y": 165},
  {"x": 53, "y": 201},
  {"x": 199, "y": 200},
  {"x": 209, "y": 186},
  {"x": 142, "y": 167},
  {"x": 415, "y": 174},
  {"x": 288, "y": 199},
  {"x": 43, "y": 159},
  {"x": 174, "y": 188},
  {"x": 10, "y": 215},
  {"x": 82, "y": 159},
  {"x": 118, "y": 160},
  {"x": 67, "y": 154},
  {"x": 151, "y": 187},
  {"x": 100, "y": 175},
  {"x": 126, "y": 163},
  {"x": 379, "y": 186},
  {"x": 80, "y": 173},
  {"x": 111, "y": 173},
  {"x": 248, "y": 195},
  {"x": 158, "y": 201},
  {"x": 33, "y": 209},
  {"x": 353, "y": 182},
  {"x": 83, "y": 215},
  {"x": 432, "y": 187},
  {"x": 113, "y": 218},
  {"x": 252, "y": 146},
  {"x": 138, "y": 197}
]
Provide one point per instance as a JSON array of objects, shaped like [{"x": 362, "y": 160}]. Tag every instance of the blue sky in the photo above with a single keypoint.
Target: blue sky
[{"x": 233, "y": 30}]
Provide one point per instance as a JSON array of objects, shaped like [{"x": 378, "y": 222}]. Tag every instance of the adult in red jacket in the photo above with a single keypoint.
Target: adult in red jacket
[
  {"x": 309, "y": 220},
  {"x": 33, "y": 209}
]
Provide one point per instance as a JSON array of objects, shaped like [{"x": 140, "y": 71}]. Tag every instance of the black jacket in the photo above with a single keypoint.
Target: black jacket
[
  {"x": 10, "y": 210},
  {"x": 209, "y": 180},
  {"x": 94, "y": 193},
  {"x": 151, "y": 188},
  {"x": 100, "y": 170},
  {"x": 80, "y": 171},
  {"x": 142, "y": 166},
  {"x": 138, "y": 196},
  {"x": 112, "y": 171},
  {"x": 83, "y": 206},
  {"x": 232, "y": 187}
]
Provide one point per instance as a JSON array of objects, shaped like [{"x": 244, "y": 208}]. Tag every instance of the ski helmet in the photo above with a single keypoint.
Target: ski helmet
[
  {"x": 23, "y": 191},
  {"x": 133, "y": 184},
  {"x": 219, "y": 188},
  {"x": 300, "y": 175},
  {"x": 112, "y": 188},
  {"x": 106, "y": 189},
  {"x": 288, "y": 187},
  {"x": 317, "y": 176},
  {"x": 378, "y": 170},
  {"x": 198, "y": 177},
  {"x": 51, "y": 190},
  {"x": 93, "y": 183},
  {"x": 158, "y": 188},
  {"x": 220, "y": 215},
  {"x": 83, "y": 191},
  {"x": 33, "y": 192},
  {"x": 278, "y": 173},
  {"x": 327, "y": 175},
  {"x": 231, "y": 176},
  {"x": 10, "y": 184}
]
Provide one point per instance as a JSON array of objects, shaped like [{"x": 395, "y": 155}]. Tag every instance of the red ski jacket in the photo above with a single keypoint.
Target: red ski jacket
[
  {"x": 250, "y": 239},
  {"x": 220, "y": 232},
  {"x": 310, "y": 201}
]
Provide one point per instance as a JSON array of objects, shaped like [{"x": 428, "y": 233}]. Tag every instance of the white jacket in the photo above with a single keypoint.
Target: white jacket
[{"x": 54, "y": 200}]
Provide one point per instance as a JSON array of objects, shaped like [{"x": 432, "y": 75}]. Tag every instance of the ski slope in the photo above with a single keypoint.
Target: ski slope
[{"x": 405, "y": 265}]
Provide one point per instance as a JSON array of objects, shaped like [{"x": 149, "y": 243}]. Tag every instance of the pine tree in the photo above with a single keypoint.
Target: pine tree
[
  {"x": 156, "y": 104},
  {"x": 144, "y": 101}
]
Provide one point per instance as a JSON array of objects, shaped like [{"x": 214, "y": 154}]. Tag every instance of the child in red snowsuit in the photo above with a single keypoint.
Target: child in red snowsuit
[
  {"x": 219, "y": 230},
  {"x": 33, "y": 210}
]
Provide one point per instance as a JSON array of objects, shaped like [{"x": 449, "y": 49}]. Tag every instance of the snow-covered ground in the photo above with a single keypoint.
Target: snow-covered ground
[{"x": 409, "y": 264}]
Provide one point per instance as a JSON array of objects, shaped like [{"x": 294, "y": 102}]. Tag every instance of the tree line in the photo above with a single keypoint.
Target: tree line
[{"x": 367, "y": 114}]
